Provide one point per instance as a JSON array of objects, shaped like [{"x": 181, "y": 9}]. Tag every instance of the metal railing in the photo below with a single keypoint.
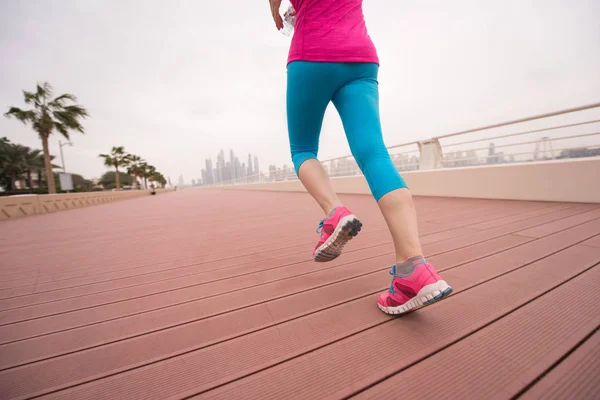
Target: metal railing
[{"x": 576, "y": 131}]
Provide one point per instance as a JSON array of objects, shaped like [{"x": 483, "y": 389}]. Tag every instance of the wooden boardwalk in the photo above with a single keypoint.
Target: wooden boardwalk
[{"x": 213, "y": 294}]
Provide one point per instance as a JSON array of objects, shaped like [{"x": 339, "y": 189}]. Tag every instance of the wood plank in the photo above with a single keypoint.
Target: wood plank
[
  {"x": 304, "y": 235},
  {"x": 576, "y": 377},
  {"x": 187, "y": 297},
  {"x": 107, "y": 359},
  {"x": 37, "y": 277},
  {"x": 500, "y": 360},
  {"x": 350, "y": 362},
  {"x": 594, "y": 242},
  {"x": 354, "y": 310},
  {"x": 77, "y": 320}
]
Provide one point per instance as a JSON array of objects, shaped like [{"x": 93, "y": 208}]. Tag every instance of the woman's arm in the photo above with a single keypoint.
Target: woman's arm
[{"x": 275, "y": 4}]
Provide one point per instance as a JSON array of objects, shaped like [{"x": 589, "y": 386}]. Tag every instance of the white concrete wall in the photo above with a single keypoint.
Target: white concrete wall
[
  {"x": 21, "y": 206},
  {"x": 574, "y": 180}
]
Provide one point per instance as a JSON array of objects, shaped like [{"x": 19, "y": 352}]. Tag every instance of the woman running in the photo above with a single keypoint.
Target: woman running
[{"x": 332, "y": 59}]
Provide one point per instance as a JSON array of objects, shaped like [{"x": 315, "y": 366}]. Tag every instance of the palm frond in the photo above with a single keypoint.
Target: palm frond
[
  {"x": 34, "y": 153},
  {"x": 30, "y": 98},
  {"x": 118, "y": 150},
  {"x": 108, "y": 160},
  {"x": 21, "y": 115},
  {"x": 59, "y": 102},
  {"x": 76, "y": 110},
  {"x": 14, "y": 159},
  {"x": 44, "y": 91},
  {"x": 70, "y": 119},
  {"x": 62, "y": 129},
  {"x": 135, "y": 159}
]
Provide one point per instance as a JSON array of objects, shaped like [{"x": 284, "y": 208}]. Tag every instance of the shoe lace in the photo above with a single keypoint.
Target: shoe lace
[
  {"x": 320, "y": 227},
  {"x": 393, "y": 274}
]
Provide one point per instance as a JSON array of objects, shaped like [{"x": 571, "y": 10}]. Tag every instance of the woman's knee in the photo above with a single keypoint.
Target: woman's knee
[
  {"x": 379, "y": 171},
  {"x": 369, "y": 153},
  {"x": 298, "y": 158}
]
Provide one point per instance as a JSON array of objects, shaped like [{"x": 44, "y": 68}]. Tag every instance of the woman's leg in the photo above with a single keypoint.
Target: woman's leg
[
  {"x": 310, "y": 89},
  {"x": 315, "y": 180},
  {"x": 308, "y": 94},
  {"x": 358, "y": 105},
  {"x": 399, "y": 212},
  {"x": 415, "y": 282}
]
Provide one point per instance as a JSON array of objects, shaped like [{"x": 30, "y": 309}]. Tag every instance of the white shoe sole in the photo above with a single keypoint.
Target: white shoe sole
[
  {"x": 427, "y": 295},
  {"x": 347, "y": 228}
]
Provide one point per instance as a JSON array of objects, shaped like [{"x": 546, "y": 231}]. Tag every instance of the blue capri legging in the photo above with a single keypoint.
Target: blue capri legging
[{"x": 353, "y": 88}]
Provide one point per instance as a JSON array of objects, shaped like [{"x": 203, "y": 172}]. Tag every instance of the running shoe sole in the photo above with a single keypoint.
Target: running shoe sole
[
  {"x": 347, "y": 228},
  {"x": 427, "y": 295}
]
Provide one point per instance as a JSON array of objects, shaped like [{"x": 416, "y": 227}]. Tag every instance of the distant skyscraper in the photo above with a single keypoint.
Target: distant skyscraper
[
  {"x": 232, "y": 169},
  {"x": 209, "y": 178},
  {"x": 193, "y": 182},
  {"x": 272, "y": 172},
  {"x": 181, "y": 181},
  {"x": 237, "y": 169},
  {"x": 220, "y": 176}
]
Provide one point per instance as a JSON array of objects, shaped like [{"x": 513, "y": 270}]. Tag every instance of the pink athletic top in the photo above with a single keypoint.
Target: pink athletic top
[{"x": 331, "y": 31}]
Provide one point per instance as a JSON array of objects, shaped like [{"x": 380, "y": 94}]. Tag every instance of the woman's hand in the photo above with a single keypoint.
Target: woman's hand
[{"x": 275, "y": 4}]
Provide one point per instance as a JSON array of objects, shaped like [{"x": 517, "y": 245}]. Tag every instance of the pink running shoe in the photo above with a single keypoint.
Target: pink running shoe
[
  {"x": 336, "y": 230},
  {"x": 407, "y": 293}
]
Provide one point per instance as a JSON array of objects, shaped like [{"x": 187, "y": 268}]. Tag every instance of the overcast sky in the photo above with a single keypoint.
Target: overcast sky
[{"x": 175, "y": 81}]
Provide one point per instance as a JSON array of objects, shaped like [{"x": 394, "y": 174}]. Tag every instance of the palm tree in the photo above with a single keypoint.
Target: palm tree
[
  {"x": 46, "y": 116},
  {"x": 151, "y": 171},
  {"x": 41, "y": 166},
  {"x": 34, "y": 161},
  {"x": 13, "y": 163},
  {"x": 41, "y": 163},
  {"x": 4, "y": 143},
  {"x": 146, "y": 172},
  {"x": 135, "y": 169},
  {"x": 117, "y": 158},
  {"x": 159, "y": 178}
]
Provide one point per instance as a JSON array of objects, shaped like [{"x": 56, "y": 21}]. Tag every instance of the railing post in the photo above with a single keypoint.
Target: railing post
[{"x": 430, "y": 154}]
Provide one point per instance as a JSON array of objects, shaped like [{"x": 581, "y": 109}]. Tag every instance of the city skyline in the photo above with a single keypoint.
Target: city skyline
[
  {"x": 224, "y": 171},
  {"x": 346, "y": 166}
]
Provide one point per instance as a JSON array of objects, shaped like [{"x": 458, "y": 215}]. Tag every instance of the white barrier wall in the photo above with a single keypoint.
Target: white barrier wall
[
  {"x": 21, "y": 206},
  {"x": 573, "y": 180}
]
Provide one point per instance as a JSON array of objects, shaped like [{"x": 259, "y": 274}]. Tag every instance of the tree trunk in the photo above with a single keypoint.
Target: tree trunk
[
  {"x": 39, "y": 172},
  {"x": 29, "y": 179},
  {"x": 13, "y": 181},
  {"x": 117, "y": 177},
  {"x": 48, "y": 164},
  {"x": 145, "y": 183}
]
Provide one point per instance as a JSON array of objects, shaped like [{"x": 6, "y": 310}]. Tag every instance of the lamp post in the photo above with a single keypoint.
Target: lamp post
[{"x": 62, "y": 158}]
